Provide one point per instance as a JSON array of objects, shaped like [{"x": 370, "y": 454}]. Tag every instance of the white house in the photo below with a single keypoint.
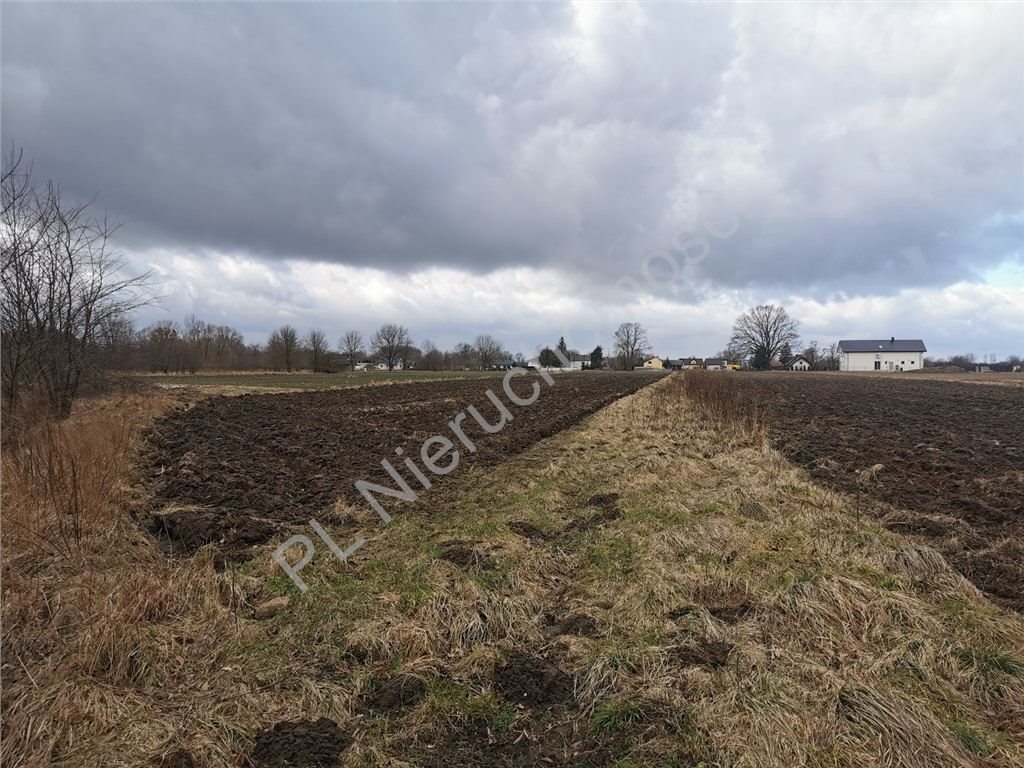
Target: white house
[
  {"x": 577, "y": 361},
  {"x": 881, "y": 355},
  {"x": 799, "y": 363},
  {"x": 377, "y": 365}
]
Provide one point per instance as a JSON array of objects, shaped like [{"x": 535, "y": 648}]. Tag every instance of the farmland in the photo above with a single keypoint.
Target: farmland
[
  {"x": 938, "y": 460},
  {"x": 254, "y": 461},
  {"x": 619, "y": 577}
]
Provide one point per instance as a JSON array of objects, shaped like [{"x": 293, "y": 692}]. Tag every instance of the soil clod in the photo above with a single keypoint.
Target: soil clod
[
  {"x": 302, "y": 744},
  {"x": 705, "y": 653},
  {"x": 533, "y": 681},
  {"x": 465, "y": 556},
  {"x": 396, "y": 694},
  {"x": 527, "y": 530}
]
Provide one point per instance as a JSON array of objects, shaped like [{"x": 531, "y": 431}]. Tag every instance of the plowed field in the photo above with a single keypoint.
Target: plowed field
[
  {"x": 244, "y": 465},
  {"x": 943, "y": 461}
]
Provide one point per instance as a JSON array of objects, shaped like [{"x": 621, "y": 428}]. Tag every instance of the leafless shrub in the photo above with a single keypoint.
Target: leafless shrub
[
  {"x": 59, "y": 479},
  {"x": 62, "y": 283},
  {"x": 726, "y": 403}
]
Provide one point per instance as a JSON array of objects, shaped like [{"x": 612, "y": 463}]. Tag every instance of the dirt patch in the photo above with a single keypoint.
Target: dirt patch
[
  {"x": 727, "y": 604},
  {"x": 396, "y": 694},
  {"x": 731, "y": 612},
  {"x": 185, "y": 531},
  {"x": 703, "y": 653},
  {"x": 576, "y": 624},
  {"x": 609, "y": 502},
  {"x": 303, "y": 744},
  {"x": 533, "y": 681},
  {"x": 608, "y": 506},
  {"x": 527, "y": 530},
  {"x": 948, "y": 457},
  {"x": 464, "y": 556},
  {"x": 285, "y": 458},
  {"x": 179, "y": 758}
]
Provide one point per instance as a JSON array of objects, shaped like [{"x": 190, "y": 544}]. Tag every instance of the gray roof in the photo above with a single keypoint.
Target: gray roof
[{"x": 882, "y": 345}]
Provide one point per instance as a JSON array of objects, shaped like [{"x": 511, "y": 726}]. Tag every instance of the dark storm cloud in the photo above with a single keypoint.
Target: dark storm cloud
[{"x": 863, "y": 150}]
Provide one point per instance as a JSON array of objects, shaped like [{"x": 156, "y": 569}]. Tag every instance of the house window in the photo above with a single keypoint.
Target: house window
[{"x": 878, "y": 365}]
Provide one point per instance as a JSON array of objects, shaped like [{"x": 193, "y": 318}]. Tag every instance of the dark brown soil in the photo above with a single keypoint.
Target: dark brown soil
[
  {"x": 951, "y": 460},
  {"x": 609, "y": 502},
  {"x": 576, "y": 624},
  {"x": 303, "y": 744},
  {"x": 465, "y": 556},
  {"x": 255, "y": 461},
  {"x": 533, "y": 681},
  {"x": 179, "y": 758},
  {"x": 396, "y": 694},
  {"x": 186, "y": 530},
  {"x": 608, "y": 506},
  {"x": 527, "y": 530},
  {"x": 703, "y": 653}
]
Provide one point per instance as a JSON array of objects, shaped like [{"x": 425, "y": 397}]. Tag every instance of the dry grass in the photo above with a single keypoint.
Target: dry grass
[
  {"x": 724, "y": 405},
  {"x": 743, "y": 616}
]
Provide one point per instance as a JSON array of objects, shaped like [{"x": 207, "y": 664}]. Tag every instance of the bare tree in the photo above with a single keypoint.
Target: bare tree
[
  {"x": 316, "y": 346},
  {"x": 488, "y": 350},
  {"x": 464, "y": 356},
  {"x": 731, "y": 355},
  {"x": 812, "y": 354},
  {"x": 760, "y": 333},
  {"x": 390, "y": 343},
  {"x": 163, "y": 347},
  {"x": 831, "y": 357},
  {"x": 409, "y": 354},
  {"x": 61, "y": 282},
  {"x": 282, "y": 346},
  {"x": 431, "y": 358},
  {"x": 631, "y": 344},
  {"x": 351, "y": 346},
  {"x": 192, "y": 334}
]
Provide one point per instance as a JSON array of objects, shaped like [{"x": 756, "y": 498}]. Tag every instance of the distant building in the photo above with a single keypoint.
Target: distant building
[
  {"x": 654, "y": 362},
  {"x": 799, "y": 363},
  {"x": 714, "y": 364},
  {"x": 503, "y": 365},
  {"x": 693, "y": 363},
  {"x": 881, "y": 354},
  {"x": 577, "y": 362}
]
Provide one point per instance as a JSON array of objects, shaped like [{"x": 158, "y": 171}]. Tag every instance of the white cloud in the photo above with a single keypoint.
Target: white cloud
[
  {"x": 528, "y": 307},
  {"x": 528, "y": 156}
]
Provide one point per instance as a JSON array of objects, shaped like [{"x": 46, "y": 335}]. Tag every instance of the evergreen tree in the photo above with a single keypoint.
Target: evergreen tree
[
  {"x": 562, "y": 347},
  {"x": 548, "y": 359},
  {"x": 786, "y": 354}
]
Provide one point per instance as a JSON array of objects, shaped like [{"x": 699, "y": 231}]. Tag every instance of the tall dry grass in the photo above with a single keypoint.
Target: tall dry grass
[
  {"x": 81, "y": 584},
  {"x": 60, "y": 481},
  {"x": 726, "y": 405}
]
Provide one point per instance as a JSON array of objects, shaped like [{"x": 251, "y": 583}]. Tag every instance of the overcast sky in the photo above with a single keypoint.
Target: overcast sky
[{"x": 537, "y": 171}]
